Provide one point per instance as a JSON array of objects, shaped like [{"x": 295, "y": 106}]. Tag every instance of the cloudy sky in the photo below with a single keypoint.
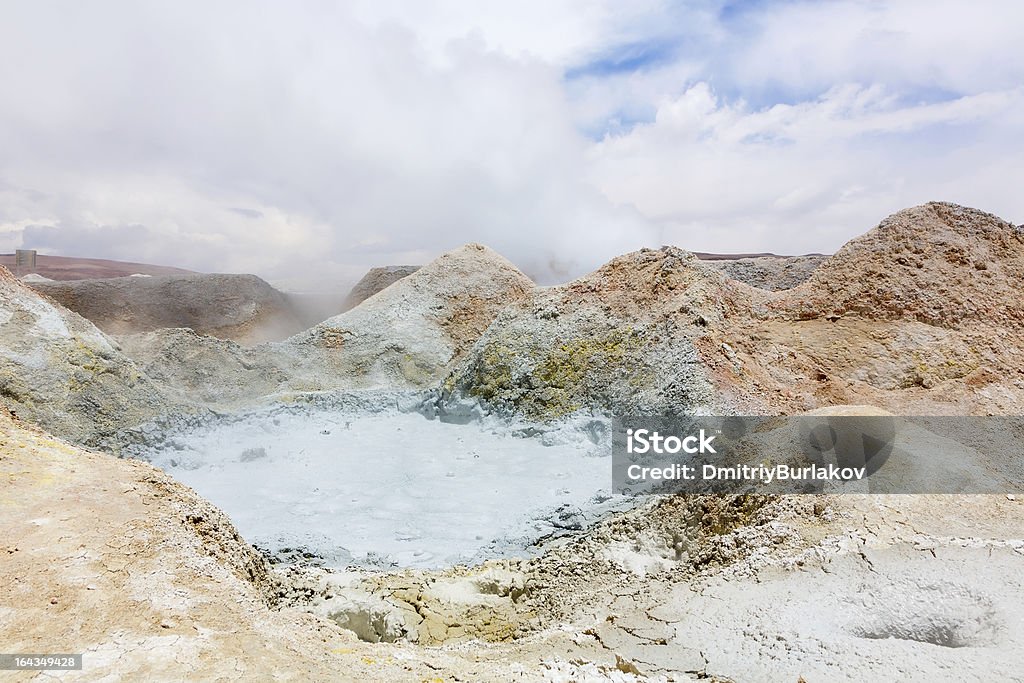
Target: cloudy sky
[{"x": 254, "y": 136}]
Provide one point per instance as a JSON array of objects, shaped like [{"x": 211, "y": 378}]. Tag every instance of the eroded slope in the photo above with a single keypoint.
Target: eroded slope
[{"x": 59, "y": 371}]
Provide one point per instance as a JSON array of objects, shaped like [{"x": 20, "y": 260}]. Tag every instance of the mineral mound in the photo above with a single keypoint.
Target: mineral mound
[
  {"x": 59, "y": 371},
  {"x": 622, "y": 338},
  {"x": 242, "y": 308},
  {"x": 940, "y": 264},
  {"x": 412, "y": 331}
]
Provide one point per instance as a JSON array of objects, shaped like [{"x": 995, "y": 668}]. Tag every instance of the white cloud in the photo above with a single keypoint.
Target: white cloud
[
  {"x": 559, "y": 33},
  {"x": 963, "y": 47},
  {"x": 340, "y": 134},
  {"x": 796, "y": 178},
  {"x": 252, "y": 136}
]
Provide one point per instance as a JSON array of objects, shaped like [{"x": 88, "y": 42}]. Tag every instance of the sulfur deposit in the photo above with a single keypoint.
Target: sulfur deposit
[{"x": 59, "y": 371}]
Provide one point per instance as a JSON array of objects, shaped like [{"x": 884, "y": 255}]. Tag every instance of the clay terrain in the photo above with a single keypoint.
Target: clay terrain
[{"x": 417, "y": 488}]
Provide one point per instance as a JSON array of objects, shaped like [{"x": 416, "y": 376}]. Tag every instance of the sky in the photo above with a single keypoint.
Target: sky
[{"x": 306, "y": 141}]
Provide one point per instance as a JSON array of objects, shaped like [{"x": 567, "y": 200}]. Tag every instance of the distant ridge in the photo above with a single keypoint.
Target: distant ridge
[
  {"x": 74, "y": 268},
  {"x": 706, "y": 256}
]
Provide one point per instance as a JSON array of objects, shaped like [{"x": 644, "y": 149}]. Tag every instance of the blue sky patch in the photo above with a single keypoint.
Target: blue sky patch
[{"x": 625, "y": 59}]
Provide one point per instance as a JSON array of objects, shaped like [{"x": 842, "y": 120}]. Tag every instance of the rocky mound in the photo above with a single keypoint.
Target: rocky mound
[
  {"x": 657, "y": 331},
  {"x": 412, "y": 331},
  {"x": 59, "y": 371},
  {"x": 939, "y": 264},
  {"x": 920, "y": 315},
  {"x": 243, "y": 308},
  {"x": 374, "y": 281},
  {"x": 622, "y": 338},
  {"x": 773, "y": 273}
]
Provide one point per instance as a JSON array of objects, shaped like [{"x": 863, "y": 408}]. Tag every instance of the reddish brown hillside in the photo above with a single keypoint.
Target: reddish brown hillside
[{"x": 73, "y": 268}]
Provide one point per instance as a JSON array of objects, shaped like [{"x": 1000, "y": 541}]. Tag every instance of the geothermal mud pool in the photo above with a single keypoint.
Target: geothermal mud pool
[{"x": 391, "y": 488}]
